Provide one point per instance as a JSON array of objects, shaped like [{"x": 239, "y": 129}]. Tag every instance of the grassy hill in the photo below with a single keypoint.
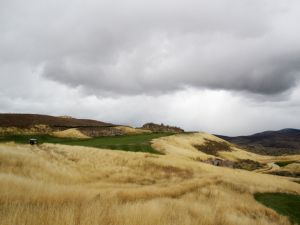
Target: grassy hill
[
  {"x": 29, "y": 120},
  {"x": 78, "y": 185},
  {"x": 286, "y": 141}
]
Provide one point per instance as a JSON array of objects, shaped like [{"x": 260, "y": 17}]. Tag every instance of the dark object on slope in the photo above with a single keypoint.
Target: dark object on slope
[
  {"x": 286, "y": 141},
  {"x": 161, "y": 128},
  {"x": 33, "y": 141}
]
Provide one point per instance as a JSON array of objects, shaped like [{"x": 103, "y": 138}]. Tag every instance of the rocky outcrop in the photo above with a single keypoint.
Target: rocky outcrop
[
  {"x": 244, "y": 164},
  {"x": 220, "y": 162},
  {"x": 161, "y": 128}
]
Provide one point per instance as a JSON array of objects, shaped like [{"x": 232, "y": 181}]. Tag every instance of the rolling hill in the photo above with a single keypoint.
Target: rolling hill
[
  {"x": 140, "y": 177},
  {"x": 285, "y": 141},
  {"x": 59, "y": 184},
  {"x": 30, "y": 120}
]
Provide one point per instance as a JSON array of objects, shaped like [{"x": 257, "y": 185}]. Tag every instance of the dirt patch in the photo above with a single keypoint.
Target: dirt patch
[
  {"x": 245, "y": 164},
  {"x": 285, "y": 173},
  {"x": 213, "y": 147}
]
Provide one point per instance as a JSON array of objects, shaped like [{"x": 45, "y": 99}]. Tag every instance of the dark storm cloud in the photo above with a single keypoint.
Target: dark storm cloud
[{"x": 132, "y": 47}]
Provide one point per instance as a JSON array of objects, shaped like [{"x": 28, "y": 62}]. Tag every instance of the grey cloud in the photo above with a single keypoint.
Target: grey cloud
[{"x": 146, "y": 47}]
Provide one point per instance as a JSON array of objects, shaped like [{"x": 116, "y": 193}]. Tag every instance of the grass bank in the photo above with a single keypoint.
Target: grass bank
[{"x": 285, "y": 204}]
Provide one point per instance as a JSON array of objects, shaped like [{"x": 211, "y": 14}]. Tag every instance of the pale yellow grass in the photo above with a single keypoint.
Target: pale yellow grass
[
  {"x": 293, "y": 167},
  {"x": 131, "y": 130},
  {"x": 70, "y": 133},
  {"x": 183, "y": 145},
  {"x": 36, "y": 129},
  {"x": 56, "y": 184}
]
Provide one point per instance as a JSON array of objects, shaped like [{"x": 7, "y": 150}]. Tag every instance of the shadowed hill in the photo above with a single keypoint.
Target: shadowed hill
[
  {"x": 30, "y": 120},
  {"x": 286, "y": 141}
]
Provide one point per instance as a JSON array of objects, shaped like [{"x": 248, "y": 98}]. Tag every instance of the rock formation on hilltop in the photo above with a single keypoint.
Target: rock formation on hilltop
[{"x": 161, "y": 128}]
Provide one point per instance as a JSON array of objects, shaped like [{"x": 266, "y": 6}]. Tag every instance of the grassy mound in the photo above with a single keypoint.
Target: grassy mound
[
  {"x": 285, "y": 204},
  {"x": 70, "y": 133}
]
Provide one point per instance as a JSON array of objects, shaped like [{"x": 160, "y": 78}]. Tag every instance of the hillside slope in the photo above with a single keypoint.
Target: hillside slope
[
  {"x": 286, "y": 141},
  {"x": 56, "y": 184},
  {"x": 34, "y": 124},
  {"x": 30, "y": 120}
]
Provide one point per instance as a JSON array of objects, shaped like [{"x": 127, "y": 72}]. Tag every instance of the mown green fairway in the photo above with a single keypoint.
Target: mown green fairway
[
  {"x": 133, "y": 143},
  {"x": 285, "y": 204}
]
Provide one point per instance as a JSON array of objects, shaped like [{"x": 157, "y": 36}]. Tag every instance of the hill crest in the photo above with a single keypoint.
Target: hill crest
[{"x": 30, "y": 120}]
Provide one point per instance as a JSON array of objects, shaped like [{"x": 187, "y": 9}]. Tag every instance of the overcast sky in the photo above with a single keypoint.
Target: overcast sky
[{"x": 222, "y": 66}]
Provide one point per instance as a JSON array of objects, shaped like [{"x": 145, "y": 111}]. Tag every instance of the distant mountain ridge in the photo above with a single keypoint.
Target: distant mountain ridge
[{"x": 285, "y": 141}]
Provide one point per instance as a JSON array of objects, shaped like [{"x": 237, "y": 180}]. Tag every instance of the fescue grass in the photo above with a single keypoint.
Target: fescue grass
[
  {"x": 132, "y": 143},
  {"x": 60, "y": 184},
  {"x": 284, "y": 163},
  {"x": 285, "y": 204}
]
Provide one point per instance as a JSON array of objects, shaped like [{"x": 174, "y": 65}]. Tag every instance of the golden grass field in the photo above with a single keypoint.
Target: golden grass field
[{"x": 69, "y": 185}]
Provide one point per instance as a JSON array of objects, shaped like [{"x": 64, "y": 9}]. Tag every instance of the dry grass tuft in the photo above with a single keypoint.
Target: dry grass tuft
[
  {"x": 70, "y": 133},
  {"x": 131, "y": 130}
]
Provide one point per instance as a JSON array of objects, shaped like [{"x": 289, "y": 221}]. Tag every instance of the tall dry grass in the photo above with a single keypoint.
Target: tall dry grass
[{"x": 56, "y": 184}]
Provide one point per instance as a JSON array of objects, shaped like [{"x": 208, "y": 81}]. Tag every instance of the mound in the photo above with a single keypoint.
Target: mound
[
  {"x": 131, "y": 130},
  {"x": 70, "y": 133}
]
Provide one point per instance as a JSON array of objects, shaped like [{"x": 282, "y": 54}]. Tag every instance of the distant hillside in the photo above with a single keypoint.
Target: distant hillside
[
  {"x": 30, "y": 124},
  {"x": 30, "y": 120},
  {"x": 286, "y": 141}
]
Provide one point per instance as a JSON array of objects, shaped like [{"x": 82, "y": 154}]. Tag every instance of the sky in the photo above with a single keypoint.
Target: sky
[{"x": 229, "y": 67}]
